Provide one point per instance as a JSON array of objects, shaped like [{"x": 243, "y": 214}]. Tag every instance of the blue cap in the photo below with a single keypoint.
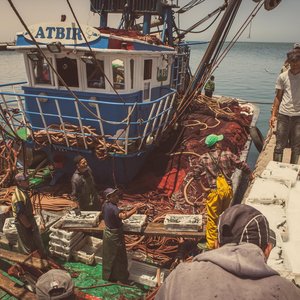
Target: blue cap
[{"x": 109, "y": 191}]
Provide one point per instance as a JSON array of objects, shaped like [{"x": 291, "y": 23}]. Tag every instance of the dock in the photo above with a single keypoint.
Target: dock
[{"x": 275, "y": 192}]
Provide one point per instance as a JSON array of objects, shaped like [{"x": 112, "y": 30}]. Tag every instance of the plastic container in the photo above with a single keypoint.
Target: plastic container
[
  {"x": 179, "y": 222},
  {"x": 4, "y": 214},
  {"x": 145, "y": 274},
  {"x": 135, "y": 223},
  {"x": 60, "y": 233},
  {"x": 86, "y": 250},
  {"x": 85, "y": 219},
  {"x": 66, "y": 242}
]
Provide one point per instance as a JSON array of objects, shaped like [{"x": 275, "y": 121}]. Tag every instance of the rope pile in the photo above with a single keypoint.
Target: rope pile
[
  {"x": 8, "y": 162},
  {"x": 74, "y": 136}
]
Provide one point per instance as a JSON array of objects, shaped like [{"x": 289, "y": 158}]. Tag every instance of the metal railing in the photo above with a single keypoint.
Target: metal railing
[{"x": 127, "y": 124}]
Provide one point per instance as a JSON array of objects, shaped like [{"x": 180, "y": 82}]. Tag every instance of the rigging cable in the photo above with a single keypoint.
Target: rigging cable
[
  {"x": 238, "y": 34},
  {"x": 228, "y": 18},
  {"x": 49, "y": 63}
]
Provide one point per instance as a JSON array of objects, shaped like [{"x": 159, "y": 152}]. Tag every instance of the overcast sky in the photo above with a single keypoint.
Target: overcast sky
[{"x": 279, "y": 25}]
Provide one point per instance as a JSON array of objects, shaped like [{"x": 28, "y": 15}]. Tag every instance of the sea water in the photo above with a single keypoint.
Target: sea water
[{"x": 248, "y": 72}]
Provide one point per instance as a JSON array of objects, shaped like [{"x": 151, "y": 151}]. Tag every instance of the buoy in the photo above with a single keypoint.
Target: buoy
[{"x": 257, "y": 138}]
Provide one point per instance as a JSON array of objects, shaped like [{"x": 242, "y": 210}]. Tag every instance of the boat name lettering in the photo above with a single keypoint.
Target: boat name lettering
[
  {"x": 67, "y": 34},
  {"x": 59, "y": 33}
]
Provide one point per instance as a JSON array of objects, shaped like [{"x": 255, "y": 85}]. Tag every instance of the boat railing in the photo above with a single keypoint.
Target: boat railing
[{"x": 130, "y": 126}]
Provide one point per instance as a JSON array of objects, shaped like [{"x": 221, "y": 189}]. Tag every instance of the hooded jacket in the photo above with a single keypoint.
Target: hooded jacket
[{"x": 235, "y": 272}]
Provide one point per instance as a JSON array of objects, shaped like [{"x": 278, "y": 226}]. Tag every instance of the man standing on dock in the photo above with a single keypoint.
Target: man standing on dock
[
  {"x": 286, "y": 109},
  {"x": 29, "y": 238},
  {"x": 216, "y": 167}
]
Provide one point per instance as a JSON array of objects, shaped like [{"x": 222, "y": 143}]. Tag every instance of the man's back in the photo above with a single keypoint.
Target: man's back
[{"x": 230, "y": 272}]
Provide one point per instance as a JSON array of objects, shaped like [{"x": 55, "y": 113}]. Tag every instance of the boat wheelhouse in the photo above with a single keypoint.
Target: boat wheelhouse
[{"x": 108, "y": 94}]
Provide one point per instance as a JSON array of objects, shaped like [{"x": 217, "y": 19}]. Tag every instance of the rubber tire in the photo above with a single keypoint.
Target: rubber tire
[{"x": 257, "y": 138}]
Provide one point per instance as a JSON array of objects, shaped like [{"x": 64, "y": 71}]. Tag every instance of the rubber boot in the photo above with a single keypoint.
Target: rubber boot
[
  {"x": 277, "y": 157},
  {"x": 294, "y": 158}
]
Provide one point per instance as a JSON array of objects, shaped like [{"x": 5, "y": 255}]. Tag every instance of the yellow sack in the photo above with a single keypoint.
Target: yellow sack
[{"x": 217, "y": 201}]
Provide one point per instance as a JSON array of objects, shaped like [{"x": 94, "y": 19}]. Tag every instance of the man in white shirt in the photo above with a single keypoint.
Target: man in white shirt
[{"x": 286, "y": 109}]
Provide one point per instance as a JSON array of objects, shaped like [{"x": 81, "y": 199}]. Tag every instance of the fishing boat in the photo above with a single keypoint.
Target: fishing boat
[
  {"x": 108, "y": 94},
  {"x": 115, "y": 95}
]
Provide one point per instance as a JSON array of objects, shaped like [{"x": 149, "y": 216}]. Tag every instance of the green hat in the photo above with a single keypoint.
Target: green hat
[{"x": 212, "y": 139}]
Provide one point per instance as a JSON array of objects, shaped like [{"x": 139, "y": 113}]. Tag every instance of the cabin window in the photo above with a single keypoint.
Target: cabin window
[
  {"x": 41, "y": 71},
  {"x": 131, "y": 73},
  {"x": 68, "y": 70},
  {"x": 118, "y": 74},
  {"x": 147, "y": 69},
  {"x": 146, "y": 94},
  {"x": 95, "y": 75}
]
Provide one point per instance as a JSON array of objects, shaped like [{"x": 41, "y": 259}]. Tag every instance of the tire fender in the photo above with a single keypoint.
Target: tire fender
[{"x": 257, "y": 138}]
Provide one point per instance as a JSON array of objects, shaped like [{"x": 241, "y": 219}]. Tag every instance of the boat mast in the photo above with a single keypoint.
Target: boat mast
[{"x": 213, "y": 47}]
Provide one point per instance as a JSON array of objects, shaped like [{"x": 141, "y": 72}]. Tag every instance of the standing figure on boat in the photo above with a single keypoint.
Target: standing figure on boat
[
  {"x": 217, "y": 167},
  {"x": 286, "y": 109},
  {"x": 115, "y": 264},
  {"x": 238, "y": 269},
  {"x": 29, "y": 238},
  {"x": 83, "y": 186},
  {"x": 209, "y": 87}
]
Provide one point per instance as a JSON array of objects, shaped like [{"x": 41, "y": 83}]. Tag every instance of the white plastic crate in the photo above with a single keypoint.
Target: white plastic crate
[
  {"x": 85, "y": 219},
  {"x": 4, "y": 214},
  {"x": 177, "y": 222},
  {"x": 135, "y": 223},
  {"x": 60, "y": 254},
  {"x": 10, "y": 230},
  {"x": 59, "y": 246},
  {"x": 144, "y": 274},
  {"x": 66, "y": 242},
  {"x": 60, "y": 233},
  {"x": 87, "y": 248}
]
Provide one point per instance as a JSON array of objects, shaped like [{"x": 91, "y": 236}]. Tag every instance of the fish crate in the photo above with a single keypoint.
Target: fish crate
[
  {"x": 60, "y": 233},
  {"x": 60, "y": 254},
  {"x": 66, "y": 243},
  {"x": 176, "y": 222},
  {"x": 145, "y": 274},
  {"x": 135, "y": 223},
  {"x": 87, "y": 250},
  {"x": 4, "y": 214},
  {"x": 85, "y": 219},
  {"x": 10, "y": 230}
]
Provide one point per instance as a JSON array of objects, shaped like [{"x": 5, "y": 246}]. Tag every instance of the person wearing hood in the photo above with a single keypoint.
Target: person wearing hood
[
  {"x": 83, "y": 186},
  {"x": 237, "y": 269},
  {"x": 214, "y": 169},
  {"x": 29, "y": 238},
  {"x": 115, "y": 264}
]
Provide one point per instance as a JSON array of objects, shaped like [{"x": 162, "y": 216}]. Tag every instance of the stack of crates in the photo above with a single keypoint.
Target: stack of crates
[{"x": 62, "y": 241}]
